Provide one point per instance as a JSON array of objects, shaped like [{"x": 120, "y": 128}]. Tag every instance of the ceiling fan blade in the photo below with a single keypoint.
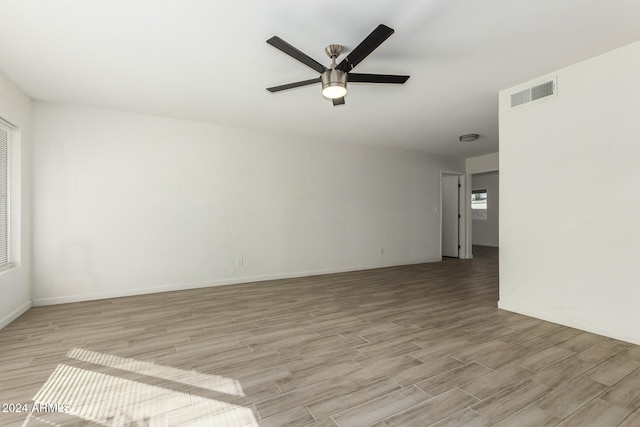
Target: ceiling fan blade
[
  {"x": 296, "y": 54},
  {"x": 376, "y": 78},
  {"x": 368, "y": 45},
  {"x": 338, "y": 101},
  {"x": 296, "y": 84}
]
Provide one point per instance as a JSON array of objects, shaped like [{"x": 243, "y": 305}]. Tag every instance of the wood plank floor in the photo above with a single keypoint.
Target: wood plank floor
[{"x": 414, "y": 345}]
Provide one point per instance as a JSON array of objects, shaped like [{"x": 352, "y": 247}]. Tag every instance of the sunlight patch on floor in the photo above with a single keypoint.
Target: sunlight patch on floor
[
  {"x": 110, "y": 400},
  {"x": 188, "y": 377}
]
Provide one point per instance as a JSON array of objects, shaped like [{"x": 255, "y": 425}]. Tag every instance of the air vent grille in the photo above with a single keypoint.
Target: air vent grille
[
  {"x": 540, "y": 91},
  {"x": 520, "y": 98},
  {"x": 533, "y": 93}
]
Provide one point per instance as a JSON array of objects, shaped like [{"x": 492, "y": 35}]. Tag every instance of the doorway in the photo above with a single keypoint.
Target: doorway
[
  {"x": 482, "y": 217},
  {"x": 485, "y": 214}
]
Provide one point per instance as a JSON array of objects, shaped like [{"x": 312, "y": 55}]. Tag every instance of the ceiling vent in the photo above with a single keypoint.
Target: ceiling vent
[{"x": 534, "y": 93}]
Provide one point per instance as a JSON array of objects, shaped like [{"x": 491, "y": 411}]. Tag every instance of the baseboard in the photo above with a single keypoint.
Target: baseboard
[
  {"x": 15, "y": 314},
  {"x": 571, "y": 322},
  {"x": 222, "y": 282}
]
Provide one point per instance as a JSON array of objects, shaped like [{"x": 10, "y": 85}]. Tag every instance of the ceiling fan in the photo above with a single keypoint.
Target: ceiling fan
[{"x": 334, "y": 79}]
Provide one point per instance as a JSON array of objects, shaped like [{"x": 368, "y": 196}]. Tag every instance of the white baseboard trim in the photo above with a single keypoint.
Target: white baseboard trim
[
  {"x": 572, "y": 322},
  {"x": 221, "y": 282},
  {"x": 15, "y": 314}
]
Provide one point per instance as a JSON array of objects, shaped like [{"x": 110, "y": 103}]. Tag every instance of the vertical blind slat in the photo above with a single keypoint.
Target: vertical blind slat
[{"x": 5, "y": 134}]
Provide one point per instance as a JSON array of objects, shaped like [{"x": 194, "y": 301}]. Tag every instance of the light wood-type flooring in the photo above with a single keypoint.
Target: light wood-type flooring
[{"x": 415, "y": 345}]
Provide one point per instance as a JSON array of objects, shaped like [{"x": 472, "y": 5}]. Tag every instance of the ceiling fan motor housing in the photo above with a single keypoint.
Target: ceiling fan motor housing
[{"x": 334, "y": 83}]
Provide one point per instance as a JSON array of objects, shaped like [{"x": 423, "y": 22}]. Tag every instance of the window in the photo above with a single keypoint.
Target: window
[
  {"x": 5, "y": 224},
  {"x": 479, "y": 204}
]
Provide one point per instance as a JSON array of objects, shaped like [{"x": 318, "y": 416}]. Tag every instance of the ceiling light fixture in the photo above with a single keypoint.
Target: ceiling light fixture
[
  {"x": 469, "y": 137},
  {"x": 334, "y": 81}
]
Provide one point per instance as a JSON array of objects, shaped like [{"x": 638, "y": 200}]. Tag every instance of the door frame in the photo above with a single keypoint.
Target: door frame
[{"x": 465, "y": 250}]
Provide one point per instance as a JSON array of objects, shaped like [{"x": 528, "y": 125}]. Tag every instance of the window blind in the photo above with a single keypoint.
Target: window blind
[{"x": 5, "y": 143}]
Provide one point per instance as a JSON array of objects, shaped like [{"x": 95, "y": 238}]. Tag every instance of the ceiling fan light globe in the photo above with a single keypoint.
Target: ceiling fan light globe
[{"x": 334, "y": 91}]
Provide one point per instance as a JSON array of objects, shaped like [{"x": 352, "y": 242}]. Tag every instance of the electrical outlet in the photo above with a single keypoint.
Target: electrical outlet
[
  {"x": 380, "y": 251},
  {"x": 239, "y": 261}
]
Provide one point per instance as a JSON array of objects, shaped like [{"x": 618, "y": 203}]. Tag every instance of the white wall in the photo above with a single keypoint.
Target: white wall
[
  {"x": 569, "y": 184},
  {"x": 129, "y": 204},
  {"x": 15, "y": 284},
  {"x": 485, "y": 231}
]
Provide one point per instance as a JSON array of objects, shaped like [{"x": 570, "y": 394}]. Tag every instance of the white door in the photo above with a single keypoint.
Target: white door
[{"x": 450, "y": 215}]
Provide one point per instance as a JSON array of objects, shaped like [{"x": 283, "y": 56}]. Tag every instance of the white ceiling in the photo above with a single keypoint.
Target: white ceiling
[{"x": 207, "y": 60}]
